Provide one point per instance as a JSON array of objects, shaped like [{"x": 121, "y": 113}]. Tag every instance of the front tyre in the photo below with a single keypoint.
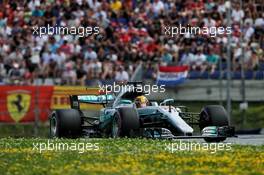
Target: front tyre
[{"x": 213, "y": 115}]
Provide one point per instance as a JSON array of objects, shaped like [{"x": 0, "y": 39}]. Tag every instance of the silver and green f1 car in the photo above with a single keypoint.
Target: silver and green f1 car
[{"x": 121, "y": 118}]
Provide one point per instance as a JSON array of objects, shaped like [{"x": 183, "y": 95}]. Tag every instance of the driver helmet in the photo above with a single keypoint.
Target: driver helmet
[{"x": 141, "y": 101}]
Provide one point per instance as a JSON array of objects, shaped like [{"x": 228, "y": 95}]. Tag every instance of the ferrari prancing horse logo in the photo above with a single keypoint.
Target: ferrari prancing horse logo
[{"x": 18, "y": 103}]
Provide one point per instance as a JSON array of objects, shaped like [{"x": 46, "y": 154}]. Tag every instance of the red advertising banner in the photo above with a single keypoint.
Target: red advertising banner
[{"x": 23, "y": 103}]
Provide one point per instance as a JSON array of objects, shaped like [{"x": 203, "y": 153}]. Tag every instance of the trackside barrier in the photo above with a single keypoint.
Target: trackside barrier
[{"x": 25, "y": 104}]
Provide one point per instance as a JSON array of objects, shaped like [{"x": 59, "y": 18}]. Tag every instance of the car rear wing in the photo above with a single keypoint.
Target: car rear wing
[{"x": 75, "y": 100}]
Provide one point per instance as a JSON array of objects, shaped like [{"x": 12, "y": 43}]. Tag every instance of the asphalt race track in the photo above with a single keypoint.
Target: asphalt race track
[
  {"x": 247, "y": 140},
  {"x": 241, "y": 140}
]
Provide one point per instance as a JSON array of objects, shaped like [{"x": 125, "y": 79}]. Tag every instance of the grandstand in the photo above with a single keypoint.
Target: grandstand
[{"x": 130, "y": 33}]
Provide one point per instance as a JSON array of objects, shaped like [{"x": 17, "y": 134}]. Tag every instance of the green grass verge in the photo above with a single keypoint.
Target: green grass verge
[{"x": 125, "y": 156}]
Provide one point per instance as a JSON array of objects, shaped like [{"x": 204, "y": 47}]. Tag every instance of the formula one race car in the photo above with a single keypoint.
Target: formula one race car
[{"x": 130, "y": 114}]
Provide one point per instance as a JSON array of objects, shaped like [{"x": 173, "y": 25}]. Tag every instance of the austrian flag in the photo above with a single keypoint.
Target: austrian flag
[{"x": 172, "y": 75}]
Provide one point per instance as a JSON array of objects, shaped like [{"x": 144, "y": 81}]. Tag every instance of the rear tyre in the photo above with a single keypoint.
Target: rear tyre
[
  {"x": 125, "y": 122},
  {"x": 116, "y": 126},
  {"x": 213, "y": 115},
  {"x": 65, "y": 123}
]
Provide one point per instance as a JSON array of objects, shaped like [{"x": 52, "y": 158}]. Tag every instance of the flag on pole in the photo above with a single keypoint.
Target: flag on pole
[{"x": 172, "y": 75}]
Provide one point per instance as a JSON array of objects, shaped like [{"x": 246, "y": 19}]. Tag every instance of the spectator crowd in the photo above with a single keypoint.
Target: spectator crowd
[{"x": 130, "y": 34}]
